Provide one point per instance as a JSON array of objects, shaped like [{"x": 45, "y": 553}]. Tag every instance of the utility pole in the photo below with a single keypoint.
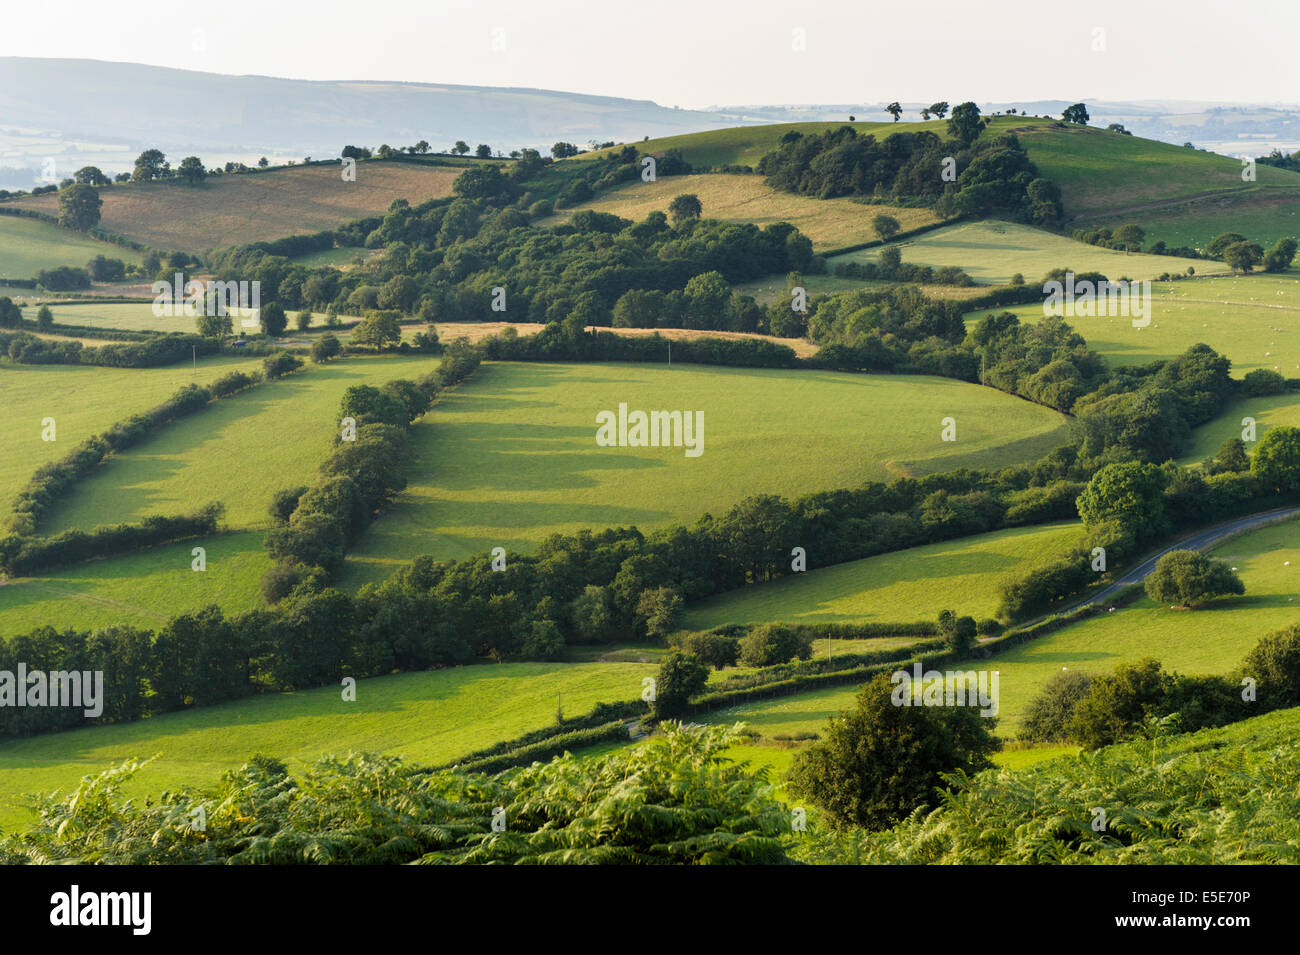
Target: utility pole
[
  {"x": 194, "y": 354},
  {"x": 670, "y": 353}
]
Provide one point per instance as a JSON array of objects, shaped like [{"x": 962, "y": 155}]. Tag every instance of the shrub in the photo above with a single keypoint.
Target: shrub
[
  {"x": 280, "y": 364},
  {"x": 878, "y": 762},
  {"x": 1048, "y": 715},
  {"x": 325, "y": 348},
  {"x": 679, "y": 679},
  {"x": 770, "y": 644},
  {"x": 1274, "y": 664},
  {"x": 714, "y": 649},
  {"x": 1117, "y": 704},
  {"x": 1263, "y": 382},
  {"x": 1188, "y": 577},
  {"x": 283, "y": 503}
]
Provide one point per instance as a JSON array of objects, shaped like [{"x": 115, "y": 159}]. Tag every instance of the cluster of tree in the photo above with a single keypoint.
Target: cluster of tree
[
  {"x": 1100, "y": 710},
  {"x": 675, "y": 801},
  {"x": 152, "y": 352},
  {"x": 63, "y": 278},
  {"x": 1129, "y": 238},
  {"x": 891, "y": 268},
  {"x": 988, "y": 175},
  {"x": 1243, "y": 255},
  {"x": 152, "y": 166},
  {"x": 24, "y": 556},
  {"x": 360, "y": 477}
]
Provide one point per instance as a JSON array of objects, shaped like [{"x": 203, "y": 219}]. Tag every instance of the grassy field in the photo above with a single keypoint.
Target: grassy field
[
  {"x": 772, "y": 288},
  {"x": 232, "y": 210},
  {"x": 746, "y": 145},
  {"x": 430, "y": 717},
  {"x": 510, "y": 457},
  {"x": 239, "y": 450},
  {"x": 29, "y": 245},
  {"x": 899, "y": 586},
  {"x": 83, "y": 401},
  {"x": 829, "y": 223},
  {"x": 1183, "y": 196},
  {"x": 142, "y": 590},
  {"x": 1210, "y": 640},
  {"x": 1270, "y": 412},
  {"x": 991, "y": 252},
  {"x": 1251, "y": 319}
]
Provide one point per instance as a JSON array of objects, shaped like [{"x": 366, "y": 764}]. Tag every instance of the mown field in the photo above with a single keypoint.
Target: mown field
[
  {"x": 510, "y": 457},
  {"x": 143, "y": 589},
  {"x": 829, "y": 223},
  {"x": 991, "y": 252},
  {"x": 29, "y": 245},
  {"x": 906, "y": 585},
  {"x": 1253, "y": 320},
  {"x": 239, "y": 450},
  {"x": 430, "y": 717},
  {"x": 1210, "y": 640},
  {"x": 83, "y": 401},
  {"x": 257, "y": 207}
]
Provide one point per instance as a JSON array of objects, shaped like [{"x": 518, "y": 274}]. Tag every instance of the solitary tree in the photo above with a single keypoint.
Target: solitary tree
[
  {"x": 461, "y": 147},
  {"x": 1078, "y": 114},
  {"x": 1243, "y": 256},
  {"x": 966, "y": 123},
  {"x": 1279, "y": 258},
  {"x": 1188, "y": 577},
  {"x": 149, "y": 165},
  {"x": 1130, "y": 237},
  {"x": 894, "y": 110},
  {"x": 79, "y": 207},
  {"x": 685, "y": 206},
  {"x": 273, "y": 319},
  {"x": 879, "y": 761},
  {"x": 191, "y": 171},
  {"x": 885, "y": 226},
  {"x": 91, "y": 176},
  {"x": 483, "y": 151},
  {"x": 44, "y": 318},
  {"x": 939, "y": 109}
]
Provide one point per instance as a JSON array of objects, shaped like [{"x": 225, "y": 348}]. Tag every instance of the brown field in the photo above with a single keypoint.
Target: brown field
[
  {"x": 476, "y": 331},
  {"x": 736, "y": 197},
  {"x": 257, "y": 207}
]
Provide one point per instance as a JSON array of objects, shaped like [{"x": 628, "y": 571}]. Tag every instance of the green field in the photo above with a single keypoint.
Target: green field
[
  {"x": 829, "y": 223},
  {"x": 1183, "y": 196},
  {"x": 239, "y": 450},
  {"x": 143, "y": 589},
  {"x": 510, "y": 457},
  {"x": 429, "y": 717},
  {"x": 894, "y": 587},
  {"x": 83, "y": 401},
  {"x": 991, "y": 252},
  {"x": 1251, "y": 319},
  {"x": 1271, "y": 412},
  {"x": 746, "y": 145},
  {"x": 29, "y": 245},
  {"x": 1211, "y": 640}
]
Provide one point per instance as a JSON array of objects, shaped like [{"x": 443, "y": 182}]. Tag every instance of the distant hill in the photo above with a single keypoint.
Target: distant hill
[{"x": 107, "y": 112}]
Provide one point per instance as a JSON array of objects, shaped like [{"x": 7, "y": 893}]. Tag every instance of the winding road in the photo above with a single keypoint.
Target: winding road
[{"x": 1198, "y": 541}]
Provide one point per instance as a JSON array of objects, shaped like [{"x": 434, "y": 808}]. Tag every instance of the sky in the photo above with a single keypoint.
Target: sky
[{"x": 714, "y": 52}]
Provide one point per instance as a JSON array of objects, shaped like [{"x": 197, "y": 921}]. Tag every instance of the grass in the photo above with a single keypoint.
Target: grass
[
  {"x": 746, "y": 145},
  {"x": 829, "y": 223},
  {"x": 1270, "y": 412},
  {"x": 83, "y": 401},
  {"x": 1183, "y": 196},
  {"x": 1251, "y": 319},
  {"x": 29, "y": 245},
  {"x": 430, "y": 717},
  {"x": 235, "y": 209},
  {"x": 991, "y": 252},
  {"x": 143, "y": 589},
  {"x": 1211, "y": 640},
  {"x": 239, "y": 450},
  {"x": 905, "y": 585},
  {"x": 771, "y": 288},
  {"x": 510, "y": 457}
]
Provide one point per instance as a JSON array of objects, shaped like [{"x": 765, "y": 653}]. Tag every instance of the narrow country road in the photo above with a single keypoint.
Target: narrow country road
[{"x": 1198, "y": 541}]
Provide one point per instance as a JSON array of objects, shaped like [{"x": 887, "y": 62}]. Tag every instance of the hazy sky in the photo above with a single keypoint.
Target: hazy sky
[{"x": 713, "y": 52}]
